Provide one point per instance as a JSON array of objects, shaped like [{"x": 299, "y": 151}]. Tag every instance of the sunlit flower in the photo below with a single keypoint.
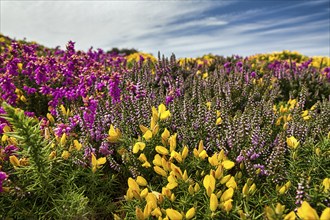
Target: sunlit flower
[
  {"x": 185, "y": 152},
  {"x": 97, "y": 163},
  {"x": 156, "y": 212},
  {"x": 225, "y": 179},
  {"x": 227, "y": 205},
  {"x": 203, "y": 154},
  {"x": 147, "y": 210},
  {"x": 138, "y": 146},
  {"x": 152, "y": 199},
  {"x": 144, "y": 193},
  {"x": 14, "y": 161},
  {"x": 114, "y": 134},
  {"x": 231, "y": 183},
  {"x": 142, "y": 158},
  {"x": 218, "y": 121},
  {"x": 290, "y": 216},
  {"x": 292, "y": 142},
  {"x": 173, "y": 214},
  {"x": 279, "y": 209},
  {"x": 209, "y": 182},
  {"x": 132, "y": 184},
  {"x": 172, "y": 141},
  {"x": 50, "y": 118},
  {"x": 63, "y": 139},
  {"x": 228, "y": 194},
  {"x": 165, "y": 115},
  {"x": 326, "y": 184},
  {"x": 306, "y": 212},
  {"x": 325, "y": 214},
  {"x": 139, "y": 214},
  {"x": 146, "y": 164},
  {"x": 213, "y": 202},
  {"x": 77, "y": 145},
  {"x": 147, "y": 135},
  {"x": 190, "y": 213},
  {"x": 141, "y": 181},
  {"x": 161, "y": 150},
  {"x": 157, "y": 160},
  {"x": 65, "y": 154},
  {"x": 160, "y": 171},
  {"x": 165, "y": 135},
  {"x": 227, "y": 164}
]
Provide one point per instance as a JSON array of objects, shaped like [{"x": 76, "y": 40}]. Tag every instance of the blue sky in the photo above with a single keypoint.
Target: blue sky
[{"x": 186, "y": 28}]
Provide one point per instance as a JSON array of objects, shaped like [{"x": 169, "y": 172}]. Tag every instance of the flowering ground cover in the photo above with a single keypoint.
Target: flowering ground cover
[{"x": 97, "y": 135}]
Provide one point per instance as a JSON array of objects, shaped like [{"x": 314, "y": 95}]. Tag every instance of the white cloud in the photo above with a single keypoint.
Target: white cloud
[{"x": 182, "y": 27}]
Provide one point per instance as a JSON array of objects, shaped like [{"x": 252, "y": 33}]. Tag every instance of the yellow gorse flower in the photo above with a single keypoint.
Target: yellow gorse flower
[
  {"x": 228, "y": 194},
  {"x": 163, "y": 113},
  {"x": 77, "y": 145},
  {"x": 50, "y": 118},
  {"x": 139, "y": 214},
  {"x": 138, "y": 146},
  {"x": 65, "y": 154},
  {"x": 165, "y": 135},
  {"x": 161, "y": 150},
  {"x": 14, "y": 161},
  {"x": 326, "y": 184},
  {"x": 213, "y": 202},
  {"x": 306, "y": 212},
  {"x": 325, "y": 214},
  {"x": 141, "y": 181},
  {"x": 209, "y": 184},
  {"x": 290, "y": 216},
  {"x": 148, "y": 135},
  {"x": 97, "y": 163},
  {"x": 191, "y": 213},
  {"x": 114, "y": 134},
  {"x": 227, "y": 205},
  {"x": 157, "y": 160},
  {"x": 228, "y": 164},
  {"x": 160, "y": 171},
  {"x": 292, "y": 142},
  {"x": 173, "y": 214},
  {"x": 63, "y": 139}
]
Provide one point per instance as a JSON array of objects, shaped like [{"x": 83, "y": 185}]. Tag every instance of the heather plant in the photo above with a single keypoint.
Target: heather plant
[
  {"x": 173, "y": 181},
  {"x": 208, "y": 137}
]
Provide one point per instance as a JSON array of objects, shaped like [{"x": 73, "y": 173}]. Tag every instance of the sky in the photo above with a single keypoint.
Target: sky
[{"x": 186, "y": 28}]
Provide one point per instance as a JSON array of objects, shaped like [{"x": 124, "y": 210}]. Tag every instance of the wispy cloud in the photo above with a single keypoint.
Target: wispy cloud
[{"x": 187, "y": 28}]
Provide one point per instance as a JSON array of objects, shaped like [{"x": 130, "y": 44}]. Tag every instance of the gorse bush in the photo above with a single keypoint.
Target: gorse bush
[{"x": 96, "y": 135}]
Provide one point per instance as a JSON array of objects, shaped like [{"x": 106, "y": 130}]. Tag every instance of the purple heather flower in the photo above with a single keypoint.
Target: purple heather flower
[
  {"x": 29, "y": 114},
  {"x": 104, "y": 149},
  {"x": 168, "y": 99},
  {"x": 254, "y": 156},
  {"x": 239, "y": 64},
  {"x": 327, "y": 69},
  {"x": 239, "y": 159},
  {"x": 114, "y": 89},
  {"x": 3, "y": 176},
  {"x": 10, "y": 149},
  {"x": 253, "y": 74},
  {"x": 29, "y": 90},
  {"x": 227, "y": 65}
]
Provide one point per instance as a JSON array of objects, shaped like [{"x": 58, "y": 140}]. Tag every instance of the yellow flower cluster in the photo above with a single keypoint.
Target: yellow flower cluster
[
  {"x": 284, "y": 111},
  {"x": 136, "y": 57},
  {"x": 304, "y": 212},
  {"x": 205, "y": 60},
  {"x": 167, "y": 163}
]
